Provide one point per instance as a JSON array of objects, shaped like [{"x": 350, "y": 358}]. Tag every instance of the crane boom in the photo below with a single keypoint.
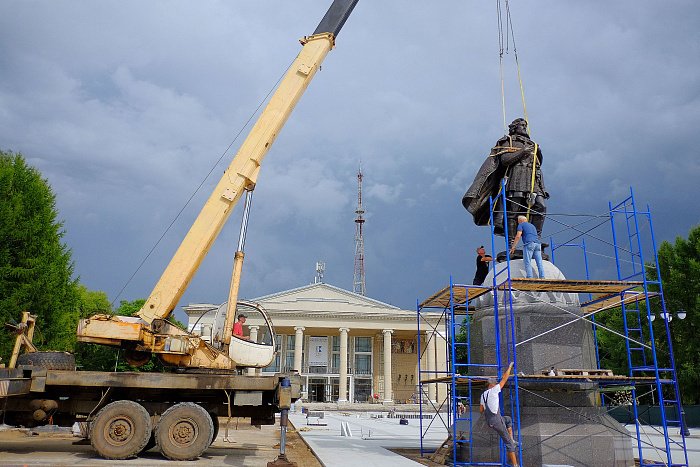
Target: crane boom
[
  {"x": 242, "y": 172},
  {"x": 148, "y": 332}
]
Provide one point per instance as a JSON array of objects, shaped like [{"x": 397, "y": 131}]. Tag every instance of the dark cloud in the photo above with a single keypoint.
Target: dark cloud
[{"x": 126, "y": 106}]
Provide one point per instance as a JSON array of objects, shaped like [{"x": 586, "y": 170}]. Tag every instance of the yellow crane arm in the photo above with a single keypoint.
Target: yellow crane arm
[
  {"x": 243, "y": 171},
  {"x": 240, "y": 175}
]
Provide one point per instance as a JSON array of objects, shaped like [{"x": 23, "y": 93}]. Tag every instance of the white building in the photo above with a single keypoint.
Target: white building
[{"x": 346, "y": 346}]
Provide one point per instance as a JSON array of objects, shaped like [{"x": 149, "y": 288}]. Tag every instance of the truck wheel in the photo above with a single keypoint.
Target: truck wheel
[
  {"x": 120, "y": 430},
  {"x": 184, "y": 431},
  {"x": 215, "y": 422},
  {"x": 48, "y": 360}
]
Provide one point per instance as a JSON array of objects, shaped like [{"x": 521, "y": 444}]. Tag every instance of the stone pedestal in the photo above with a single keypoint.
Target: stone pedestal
[{"x": 560, "y": 423}]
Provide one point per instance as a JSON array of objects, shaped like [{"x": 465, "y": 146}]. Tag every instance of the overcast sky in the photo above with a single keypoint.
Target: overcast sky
[{"x": 125, "y": 106}]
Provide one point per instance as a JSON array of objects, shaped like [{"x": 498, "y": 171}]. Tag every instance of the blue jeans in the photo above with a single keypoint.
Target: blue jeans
[{"x": 529, "y": 250}]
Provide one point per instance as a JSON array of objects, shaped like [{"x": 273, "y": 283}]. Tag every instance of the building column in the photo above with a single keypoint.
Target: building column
[
  {"x": 441, "y": 364},
  {"x": 388, "y": 393},
  {"x": 431, "y": 336},
  {"x": 253, "y": 338},
  {"x": 298, "y": 347},
  {"x": 343, "y": 370}
]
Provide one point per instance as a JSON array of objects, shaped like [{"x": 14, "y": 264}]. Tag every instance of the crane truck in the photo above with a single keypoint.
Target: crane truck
[{"x": 129, "y": 412}]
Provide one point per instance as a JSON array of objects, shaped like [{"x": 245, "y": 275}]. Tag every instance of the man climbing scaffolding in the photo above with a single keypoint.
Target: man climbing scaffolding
[
  {"x": 518, "y": 160},
  {"x": 501, "y": 424}
]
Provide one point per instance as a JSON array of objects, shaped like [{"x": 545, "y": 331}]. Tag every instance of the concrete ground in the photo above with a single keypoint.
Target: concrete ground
[
  {"x": 373, "y": 440},
  {"x": 245, "y": 446},
  {"x": 371, "y": 444}
]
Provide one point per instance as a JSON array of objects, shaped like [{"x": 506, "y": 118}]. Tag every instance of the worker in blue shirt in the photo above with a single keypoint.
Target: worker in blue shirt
[{"x": 531, "y": 246}]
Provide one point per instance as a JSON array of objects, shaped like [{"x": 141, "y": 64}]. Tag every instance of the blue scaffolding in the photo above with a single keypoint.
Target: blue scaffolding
[{"x": 637, "y": 294}]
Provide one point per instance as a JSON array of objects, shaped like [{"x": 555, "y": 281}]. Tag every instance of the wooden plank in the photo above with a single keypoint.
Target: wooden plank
[
  {"x": 481, "y": 380},
  {"x": 579, "y": 372},
  {"x": 569, "y": 286},
  {"x": 615, "y": 300},
  {"x": 464, "y": 293},
  {"x": 14, "y": 386}
]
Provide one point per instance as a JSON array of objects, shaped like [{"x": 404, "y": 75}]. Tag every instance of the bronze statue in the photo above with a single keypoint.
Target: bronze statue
[{"x": 511, "y": 159}]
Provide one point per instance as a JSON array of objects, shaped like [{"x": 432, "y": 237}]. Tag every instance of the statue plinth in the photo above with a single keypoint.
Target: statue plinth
[{"x": 560, "y": 423}]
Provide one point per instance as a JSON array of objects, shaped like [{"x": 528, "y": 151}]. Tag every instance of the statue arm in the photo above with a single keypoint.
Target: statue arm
[{"x": 511, "y": 158}]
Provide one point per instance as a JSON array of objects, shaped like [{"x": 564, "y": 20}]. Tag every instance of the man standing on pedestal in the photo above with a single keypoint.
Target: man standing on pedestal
[
  {"x": 531, "y": 246},
  {"x": 482, "y": 265}
]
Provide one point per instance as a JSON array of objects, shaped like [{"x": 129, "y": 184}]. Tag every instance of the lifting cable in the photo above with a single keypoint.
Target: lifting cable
[
  {"x": 504, "y": 42},
  {"x": 505, "y": 22},
  {"x": 196, "y": 190}
]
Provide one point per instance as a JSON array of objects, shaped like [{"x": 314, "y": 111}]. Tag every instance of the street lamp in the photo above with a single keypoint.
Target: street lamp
[{"x": 681, "y": 314}]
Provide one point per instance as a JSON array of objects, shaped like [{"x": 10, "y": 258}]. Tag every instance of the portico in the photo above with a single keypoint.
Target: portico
[{"x": 348, "y": 347}]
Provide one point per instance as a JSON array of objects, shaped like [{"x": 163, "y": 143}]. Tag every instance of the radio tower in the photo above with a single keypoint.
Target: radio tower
[{"x": 358, "y": 281}]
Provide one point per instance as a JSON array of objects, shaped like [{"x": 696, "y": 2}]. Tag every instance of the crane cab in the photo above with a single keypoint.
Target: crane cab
[{"x": 256, "y": 347}]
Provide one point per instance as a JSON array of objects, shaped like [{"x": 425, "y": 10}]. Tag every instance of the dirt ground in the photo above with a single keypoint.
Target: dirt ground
[
  {"x": 243, "y": 445},
  {"x": 414, "y": 455}
]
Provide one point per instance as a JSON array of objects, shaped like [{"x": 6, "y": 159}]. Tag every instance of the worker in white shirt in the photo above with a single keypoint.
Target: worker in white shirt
[{"x": 502, "y": 424}]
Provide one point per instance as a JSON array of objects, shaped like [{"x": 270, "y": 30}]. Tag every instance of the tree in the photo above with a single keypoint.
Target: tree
[
  {"x": 92, "y": 356},
  {"x": 36, "y": 269},
  {"x": 679, "y": 264}
]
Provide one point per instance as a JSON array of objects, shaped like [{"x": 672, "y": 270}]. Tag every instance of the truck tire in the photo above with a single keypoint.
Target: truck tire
[
  {"x": 120, "y": 430},
  {"x": 215, "y": 422},
  {"x": 48, "y": 360},
  {"x": 184, "y": 431}
]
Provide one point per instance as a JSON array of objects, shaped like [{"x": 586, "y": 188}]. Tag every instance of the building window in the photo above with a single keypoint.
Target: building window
[
  {"x": 335, "y": 389},
  {"x": 274, "y": 367},
  {"x": 317, "y": 389},
  {"x": 363, "y": 355},
  {"x": 363, "y": 389},
  {"x": 363, "y": 344},
  {"x": 335, "y": 355},
  {"x": 289, "y": 354}
]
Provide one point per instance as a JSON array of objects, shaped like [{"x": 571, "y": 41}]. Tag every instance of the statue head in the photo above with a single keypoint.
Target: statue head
[{"x": 518, "y": 127}]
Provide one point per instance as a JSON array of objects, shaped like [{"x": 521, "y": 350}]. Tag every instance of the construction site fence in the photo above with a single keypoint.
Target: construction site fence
[{"x": 651, "y": 415}]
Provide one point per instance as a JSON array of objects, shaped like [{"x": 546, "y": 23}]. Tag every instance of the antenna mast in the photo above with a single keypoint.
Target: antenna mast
[{"x": 358, "y": 281}]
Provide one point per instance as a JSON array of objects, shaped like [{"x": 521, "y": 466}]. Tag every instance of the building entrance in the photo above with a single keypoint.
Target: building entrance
[{"x": 317, "y": 389}]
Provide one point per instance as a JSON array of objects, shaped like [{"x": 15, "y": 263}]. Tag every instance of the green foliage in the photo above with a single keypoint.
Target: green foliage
[
  {"x": 93, "y": 302},
  {"x": 679, "y": 264},
  {"x": 94, "y": 357},
  {"x": 35, "y": 266},
  {"x": 461, "y": 338},
  {"x": 127, "y": 308},
  {"x": 612, "y": 349}
]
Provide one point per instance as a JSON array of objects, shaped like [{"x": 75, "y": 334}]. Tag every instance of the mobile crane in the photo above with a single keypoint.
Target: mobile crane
[{"x": 130, "y": 412}]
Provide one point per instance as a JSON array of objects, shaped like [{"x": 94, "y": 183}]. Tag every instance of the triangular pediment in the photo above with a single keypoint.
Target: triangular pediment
[{"x": 324, "y": 297}]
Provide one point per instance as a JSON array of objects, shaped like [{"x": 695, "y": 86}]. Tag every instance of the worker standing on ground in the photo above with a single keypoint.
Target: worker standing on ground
[
  {"x": 502, "y": 424},
  {"x": 482, "y": 265},
  {"x": 531, "y": 246}
]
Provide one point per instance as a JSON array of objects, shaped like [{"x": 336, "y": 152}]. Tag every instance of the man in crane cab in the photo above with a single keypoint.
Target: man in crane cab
[
  {"x": 238, "y": 327},
  {"x": 518, "y": 160}
]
